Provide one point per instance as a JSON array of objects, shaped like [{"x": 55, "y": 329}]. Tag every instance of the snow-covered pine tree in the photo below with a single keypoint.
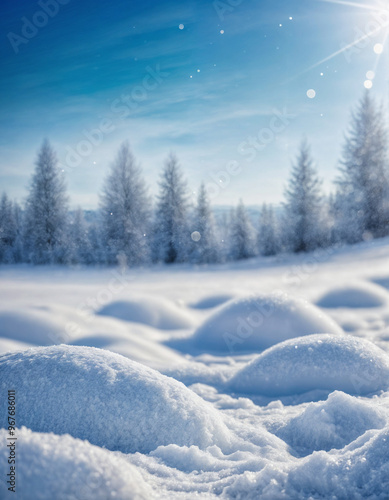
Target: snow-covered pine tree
[
  {"x": 267, "y": 234},
  {"x": 98, "y": 255},
  {"x": 19, "y": 222},
  {"x": 171, "y": 234},
  {"x": 362, "y": 203},
  {"x": 303, "y": 207},
  {"x": 8, "y": 230},
  {"x": 242, "y": 237},
  {"x": 205, "y": 249},
  {"x": 223, "y": 232},
  {"x": 46, "y": 216},
  {"x": 125, "y": 209},
  {"x": 81, "y": 248}
]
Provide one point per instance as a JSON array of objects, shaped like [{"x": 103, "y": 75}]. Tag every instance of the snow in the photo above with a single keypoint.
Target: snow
[
  {"x": 315, "y": 362},
  {"x": 107, "y": 399},
  {"x": 355, "y": 295},
  {"x": 155, "y": 312},
  {"x": 152, "y": 413},
  {"x": 48, "y": 464},
  {"x": 31, "y": 326},
  {"x": 333, "y": 423},
  {"x": 257, "y": 322},
  {"x": 212, "y": 301},
  {"x": 360, "y": 470}
]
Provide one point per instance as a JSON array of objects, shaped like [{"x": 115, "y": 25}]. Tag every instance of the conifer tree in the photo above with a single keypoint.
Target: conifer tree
[
  {"x": 8, "y": 230},
  {"x": 362, "y": 203},
  {"x": 242, "y": 236},
  {"x": 267, "y": 235},
  {"x": 171, "y": 232},
  {"x": 125, "y": 210},
  {"x": 303, "y": 208},
  {"x": 46, "y": 217},
  {"x": 205, "y": 248}
]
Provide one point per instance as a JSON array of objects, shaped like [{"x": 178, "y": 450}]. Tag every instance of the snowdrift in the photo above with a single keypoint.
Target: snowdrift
[
  {"x": 50, "y": 467},
  {"x": 107, "y": 399},
  {"x": 152, "y": 311},
  {"x": 255, "y": 323},
  {"x": 326, "y": 362},
  {"x": 357, "y": 295},
  {"x": 331, "y": 424},
  {"x": 359, "y": 471},
  {"x": 31, "y": 326}
]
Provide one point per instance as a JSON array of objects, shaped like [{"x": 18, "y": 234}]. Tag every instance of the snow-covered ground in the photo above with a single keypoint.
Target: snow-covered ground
[{"x": 262, "y": 379}]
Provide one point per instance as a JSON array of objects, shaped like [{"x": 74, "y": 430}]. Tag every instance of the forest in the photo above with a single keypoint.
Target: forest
[{"x": 130, "y": 228}]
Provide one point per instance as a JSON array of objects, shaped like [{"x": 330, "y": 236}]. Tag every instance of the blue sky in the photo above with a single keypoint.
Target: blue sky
[{"x": 222, "y": 84}]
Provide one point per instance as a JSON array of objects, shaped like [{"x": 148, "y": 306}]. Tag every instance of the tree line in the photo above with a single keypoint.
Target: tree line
[{"x": 129, "y": 229}]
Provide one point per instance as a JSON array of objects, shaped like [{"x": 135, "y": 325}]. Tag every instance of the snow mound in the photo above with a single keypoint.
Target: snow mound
[
  {"x": 359, "y": 471},
  {"x": 107, "y": 399},
  {"x": 355, "y": 296},
  {"x": 331, "y": 424},
  {"x": 212, "y": 301},
  {"x": 152, "y": 311},
  {"x": 31, "y": 326},
  {"x": 50, "y": 467},
  {"x": 258, "y": 322},
  {"x": 326, "y": 362}
]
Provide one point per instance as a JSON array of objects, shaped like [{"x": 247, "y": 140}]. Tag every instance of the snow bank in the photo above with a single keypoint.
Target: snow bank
[
  {"x": 328, "y": 362},
  {"x": 31, "y": 326},
  {"x": 152, "y": 311},
  {"x": 107, "y": 399},
  {"x": 258, "y": 322},
  {"x": 359, "y": 471},
  {"x": 50, "y": 467},
  {"x": 331, "y": 424},
  {"x": 356, "y": 295},
  {"x": 212, "y": 301}
]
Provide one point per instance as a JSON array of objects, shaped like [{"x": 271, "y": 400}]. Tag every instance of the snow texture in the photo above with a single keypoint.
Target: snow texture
[
  {"x": 155, "y": 312},
  {"x": 107, "y": 399},
  {"x": 255, "y": 323},
  {"x": 358, "y": 295},
  {"x": 50, "y": 467},
  {"x": 30, "y": 326},
  {"x": 331, "y": 424},
  {"x": 244, "y": 426},
  {"x": 327, "y": 362}
]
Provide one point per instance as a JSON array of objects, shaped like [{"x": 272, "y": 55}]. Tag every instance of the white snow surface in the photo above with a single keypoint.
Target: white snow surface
[
  {"x": 151, "y": 402},
  {"x": 158, "y": 313},
  {"x": 359, "y": 295},
  {"x": 107, "y": 399},
  {"x": 257, "y": 322},
  {"x": 315, "y": 362},
  {"x": 51, "y": 466},
  {"x": 329, "y": 424}
]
